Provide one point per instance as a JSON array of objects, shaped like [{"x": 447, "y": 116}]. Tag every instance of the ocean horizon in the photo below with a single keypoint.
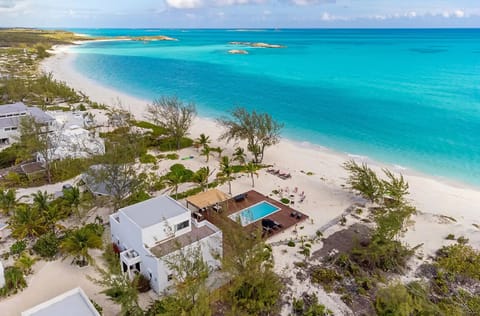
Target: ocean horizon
[{"x": 406, "y": 97}]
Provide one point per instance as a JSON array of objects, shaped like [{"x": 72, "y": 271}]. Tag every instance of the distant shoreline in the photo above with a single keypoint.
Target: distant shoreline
[{"x": 320, "y": 160}]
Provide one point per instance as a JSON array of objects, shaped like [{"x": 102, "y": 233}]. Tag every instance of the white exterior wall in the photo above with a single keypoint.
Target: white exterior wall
[
  {"x": 11, "y": 135},
  {"x": 161, "y": 231},
  {"x": 2, "y": 276},
  {"x": 209, "y": 246},
  {"x": 132, "y": 236}
]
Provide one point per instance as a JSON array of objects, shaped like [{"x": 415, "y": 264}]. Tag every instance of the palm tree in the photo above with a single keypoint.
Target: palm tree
[
  {"x": 40, "y": 200},
  {"x": 203, "y": 140},
  {"x": 206, "y": 151},
  {"x": 239, "y": 155},
  {"x": 51, "y": 216},
  {"x": 173, "y": 179},
  {"x": 201, "y": 177},
  {"x": 78, "y": 242},
  {"x": 8, "y": 200},
  {"x": 227, "y": 170},
  {"x": 27, "y": 222},
  {"x": 72, "y": 196},
  {"x": 251, "y": 169},
  {"x": 25, "y": 263},
  {"x": 219, "y": 150}
]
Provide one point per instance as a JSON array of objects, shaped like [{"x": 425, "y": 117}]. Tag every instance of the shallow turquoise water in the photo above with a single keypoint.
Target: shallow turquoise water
[{"x": 407, "y": 97}]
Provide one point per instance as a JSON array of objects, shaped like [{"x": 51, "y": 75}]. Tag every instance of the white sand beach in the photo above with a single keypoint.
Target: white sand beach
[{"x": 325, "y": 198}]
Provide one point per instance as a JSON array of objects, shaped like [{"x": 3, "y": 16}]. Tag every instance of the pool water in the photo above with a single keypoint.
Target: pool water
[{"x": 254, "y": 213}]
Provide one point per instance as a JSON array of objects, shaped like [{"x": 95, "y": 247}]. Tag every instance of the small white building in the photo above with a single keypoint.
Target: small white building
[
  {"x": 72, "y": 303},
  {"x": 10, "y": 116},
  {"x": 147, "y": 233},
  {"x": 74, "y": 142},
  {"x": 2, "y": 276}
]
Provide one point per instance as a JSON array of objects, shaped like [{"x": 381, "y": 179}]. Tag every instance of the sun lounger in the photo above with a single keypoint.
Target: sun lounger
[
  {"x": 293, "y": 214},
  {"x": 299, "y": 216},
  {"x": 277, "y": 224}
]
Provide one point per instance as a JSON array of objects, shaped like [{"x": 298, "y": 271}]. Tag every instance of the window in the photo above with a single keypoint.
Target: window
[{"x": 183, "y": 225}]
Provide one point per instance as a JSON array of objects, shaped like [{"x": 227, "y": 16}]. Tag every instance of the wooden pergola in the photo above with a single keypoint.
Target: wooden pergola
[{"x": 208, "y": 198}]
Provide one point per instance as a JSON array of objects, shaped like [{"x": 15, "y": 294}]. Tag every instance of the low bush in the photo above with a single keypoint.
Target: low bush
[
  {"x": 14, "y": 281},
  {"x": 285, "y": 201},
  {"x": 47, "y": 246},
  {"x": 326, "y": 277},
  {"x": 18, "y": 247},
  {"x": 291, "y": 243},
  {"x": 142, "y": 283},
  {"x": 462, "y": 240},
  {"x": 173, "y": 156},
  {"x": 147, "y": 158},
  {"x": 450, "y": 237}
]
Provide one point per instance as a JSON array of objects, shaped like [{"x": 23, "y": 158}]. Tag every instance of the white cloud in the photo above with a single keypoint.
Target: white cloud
[
  {"x": 459, "y": 13},
  {"x": 184, "y": 4},
  {"x": 327, "y": 17}
]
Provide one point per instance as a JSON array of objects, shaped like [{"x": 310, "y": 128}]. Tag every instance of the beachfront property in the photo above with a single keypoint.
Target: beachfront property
[
  {"x": 74, "y": 142},
  {"x": 149, "y": 233},
  {"x": 72, "y": 303},
  {"x": 11, "y": 115}
]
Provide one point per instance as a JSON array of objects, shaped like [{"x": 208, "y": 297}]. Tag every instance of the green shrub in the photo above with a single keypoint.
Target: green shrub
[
  {"x": 285, "y": 201},
  {"x": 147, "y": 158},
  {"x": 18, "y": 247},
  {"x": 452, "y": 259},
  {"x": 142, "y": 283},
  {"x": 97, "y": 229},
  {"x": 291, "y": 243},
  {"x": 47, "y": 246},
  {"x": 14, "y": 281},
  {"x": 450, "y": 237},
  {"x": 326, "y": 277},
  {"x": 173, "y": 156},
  {"x": 462, "y": 240}
]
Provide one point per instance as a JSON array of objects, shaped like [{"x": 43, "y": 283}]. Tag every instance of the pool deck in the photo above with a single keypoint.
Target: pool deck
[{"x": 282, "y": 216}]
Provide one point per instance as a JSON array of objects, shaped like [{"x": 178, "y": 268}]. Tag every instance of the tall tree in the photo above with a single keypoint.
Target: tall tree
[
  {"x": 173, "y": 115},
  {"x": 78, "y": 242},
  {"x": 203, "y": 140},
  {"x": 364, "y": 180},
  {"x": 226, "y": 171},
  {"x": 260, "y": 130},
  {"x": 120, "y": 290},
  {"x": 8, "y": 200},
  {"x": 27, "y": 222},
  {"x": 206, "y": 151},
  {"x": 190, "y": 274},
  {"x": 254, "y": 289},
  {"x": 201, "y": 177},
  {"x": 37, "y": 138},
  {"x": 239, "y": 155},
  {"x": 251, "y": 169},
  {"x": 178, "y": 174}
]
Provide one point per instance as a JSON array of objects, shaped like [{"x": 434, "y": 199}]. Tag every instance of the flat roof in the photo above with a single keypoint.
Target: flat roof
[
  {"x": 12, "y": 108},
  {"x": 154, "y": 211},
  {"x": 40, "y": 116},
  {"x": 207, "y": 198},
  {"x": 72, "y": 303},
  {"x": 196, "y": 234}
]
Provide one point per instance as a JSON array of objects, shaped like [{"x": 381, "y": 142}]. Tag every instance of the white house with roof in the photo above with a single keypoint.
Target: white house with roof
[
  {"x": 149, "y": 232},
  {"x": 74, "y": 142},
  {"x": 72, "y": 303},
  {"x": 10, "y": 116}
]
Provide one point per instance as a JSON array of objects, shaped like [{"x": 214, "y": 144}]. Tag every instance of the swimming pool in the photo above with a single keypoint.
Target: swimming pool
[{"x": 254, "y": 213}]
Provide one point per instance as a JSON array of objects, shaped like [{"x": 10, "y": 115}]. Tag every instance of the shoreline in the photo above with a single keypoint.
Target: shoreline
[{"x": 429, "y": 193}]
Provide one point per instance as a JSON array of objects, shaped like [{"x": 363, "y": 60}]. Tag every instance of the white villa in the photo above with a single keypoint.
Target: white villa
[
  {"x": 72, "y": 303},
  {"x": 74, "y": 142},
  {"x": 149, "y": 232},
  {"x": 10, "y": 116}
]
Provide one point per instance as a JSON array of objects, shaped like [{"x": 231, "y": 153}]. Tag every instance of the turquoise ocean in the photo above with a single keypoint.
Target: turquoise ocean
[{"x": 409, "y": 97}]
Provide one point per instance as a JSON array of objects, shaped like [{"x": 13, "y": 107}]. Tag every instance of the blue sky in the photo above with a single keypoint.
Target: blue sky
[{"x": 240, "y": 13}]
